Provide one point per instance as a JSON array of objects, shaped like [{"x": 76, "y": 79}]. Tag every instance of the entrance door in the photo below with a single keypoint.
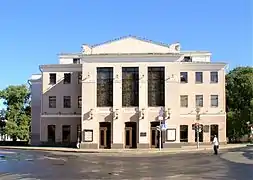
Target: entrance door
[
  {"x": 105, "y": 135},
  {"x": 103, "y": 139},
  {"x": 129, "y": 137},
  {"x": 154, "y": 139}
]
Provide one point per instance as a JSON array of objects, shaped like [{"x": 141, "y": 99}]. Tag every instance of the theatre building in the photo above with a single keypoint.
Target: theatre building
[{"x": 113, "y": 95}]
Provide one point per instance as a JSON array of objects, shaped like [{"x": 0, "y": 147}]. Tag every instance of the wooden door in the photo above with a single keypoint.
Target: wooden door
[
  {"x": 154, "y": 139},
  {"x": 128, "y": 137},
  {"x": 103, "y": 137}
]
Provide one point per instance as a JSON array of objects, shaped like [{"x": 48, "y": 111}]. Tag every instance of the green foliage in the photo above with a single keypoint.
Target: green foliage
[
  {"x": 18, "y": 112},
  {"x": 239, "y": 99}
]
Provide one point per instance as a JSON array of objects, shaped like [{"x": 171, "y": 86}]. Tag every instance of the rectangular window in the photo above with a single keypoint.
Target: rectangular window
[
  {"x": 214, "y": 77},
  {"x": 214, "y": 100},
  {"x": 76, "y": 61},
  {"x": 199, "y": 77},
  {"x": 183, "y": 77},
  {"x": 184, "y": 100},
  {"x": 183, "y": 133},
  {"x": 67, "y": 102},
  {"x": 156, "y": 86},
  {"x": 199, "y": 100},
  {"x": 105, "y": 86},
  {"x": 52, "y": 78},
  {"x": 67, "y": 78},
  {"x": 51, "y": 133},
  {"x": 52, "y": 101},
  {"x": 79, "y": 77},
  {"x": 79, "y": 101},
  {"x": 66, "y": 132},
  {"x": 130, "y": 86}
]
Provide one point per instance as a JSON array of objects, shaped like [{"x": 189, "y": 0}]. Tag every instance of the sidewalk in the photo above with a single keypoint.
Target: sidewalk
[{"x": 128, "y": 151}]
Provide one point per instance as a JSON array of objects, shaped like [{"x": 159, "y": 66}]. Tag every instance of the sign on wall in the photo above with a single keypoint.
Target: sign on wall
[
  {"x": 88, "y": 135},
  {"x": 171, "y": 134}
]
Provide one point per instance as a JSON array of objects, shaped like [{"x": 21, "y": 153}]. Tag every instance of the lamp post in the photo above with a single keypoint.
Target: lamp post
[{"x": 197, "y": 124}]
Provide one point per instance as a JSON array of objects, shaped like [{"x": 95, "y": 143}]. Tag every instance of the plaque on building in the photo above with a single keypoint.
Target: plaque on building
[
  {"x": 88, "y": 135},
  {"x": 171, "y": 135},
  {"x": 143, "y": 134}
]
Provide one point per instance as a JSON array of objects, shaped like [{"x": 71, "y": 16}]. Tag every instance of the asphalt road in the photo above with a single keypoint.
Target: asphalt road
[{"x": 232, "y": 165}]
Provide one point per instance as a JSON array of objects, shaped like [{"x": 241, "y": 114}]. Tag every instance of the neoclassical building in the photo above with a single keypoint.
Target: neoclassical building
[{"x": 113, "y": 95}]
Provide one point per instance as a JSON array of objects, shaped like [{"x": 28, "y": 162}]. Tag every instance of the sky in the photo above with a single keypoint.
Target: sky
[{"x": 32, "y": 33}]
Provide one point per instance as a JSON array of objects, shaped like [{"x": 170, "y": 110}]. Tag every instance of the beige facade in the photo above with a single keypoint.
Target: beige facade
[{"x": 118, "y": 126}]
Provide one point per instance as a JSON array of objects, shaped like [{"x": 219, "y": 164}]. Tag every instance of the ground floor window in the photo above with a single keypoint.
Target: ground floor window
[
  {"x": 51, "y": 133},
  {"x": 66, "y": 133},
  {"x": 201, "y": 137},
  {"x": 79, "y": 134},
  {"x": 214, "y": 130},
  {"x": 183, "y": 133}
]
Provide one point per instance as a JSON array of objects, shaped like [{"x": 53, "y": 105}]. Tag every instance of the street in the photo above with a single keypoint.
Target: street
[{"x": 236, "y": 164}]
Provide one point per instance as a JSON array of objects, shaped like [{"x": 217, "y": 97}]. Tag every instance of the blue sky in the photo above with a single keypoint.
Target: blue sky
[{"x": 34, "y": 32}]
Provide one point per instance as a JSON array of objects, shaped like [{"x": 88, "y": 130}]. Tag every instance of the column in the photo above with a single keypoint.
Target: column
[
  {"x": 117, "y": 124},
  {"x": 144, "y": 125}
]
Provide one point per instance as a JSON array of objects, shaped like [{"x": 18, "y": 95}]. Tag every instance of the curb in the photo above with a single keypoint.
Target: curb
[{"x": 175, "y": 151}]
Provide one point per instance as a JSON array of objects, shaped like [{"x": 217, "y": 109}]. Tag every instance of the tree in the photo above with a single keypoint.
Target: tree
[
  {"x": 18, "y": 113},
  {"x": 239, "y": 100}
]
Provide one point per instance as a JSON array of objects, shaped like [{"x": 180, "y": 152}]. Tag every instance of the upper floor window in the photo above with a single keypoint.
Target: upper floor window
[
  {"x": 67, "y": 78},
  {"x": 187, "y": 59},
  {"x": 79, "y": 101},
  {"x": 130, "y": 86},
  {"x": 105, "y": 86},
  {"x": 214, "y": 101},
  {"x": 183, "y": 77},
  {"x": 76, "y": 61},
  {"x": 52, "y": 78},
  {"x": 184, "y": 101},
  {"x": 67, "y": 102},
  {"x": 199, "y": 77},
  {"x": 199, "y": 100},
  {"x": 79, "y": 77},
  {"x": 52, "y": 101},
  {"x": 214, "y": 77},
  {"x": 156, "y": 86}
]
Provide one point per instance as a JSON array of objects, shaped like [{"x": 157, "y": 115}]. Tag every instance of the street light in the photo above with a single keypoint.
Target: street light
[{"x": 197, "y": 124}]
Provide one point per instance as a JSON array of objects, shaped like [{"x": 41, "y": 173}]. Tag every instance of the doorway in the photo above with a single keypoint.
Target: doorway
[
  {"x": 51, "y": 134},
  {"x": 155, "y": 134},
  {"x": 105, "y": 135},
  {"x": 214, "y": 130},
  {"x": 66, "y": 132},
  {"x": 130, "y": 135}
]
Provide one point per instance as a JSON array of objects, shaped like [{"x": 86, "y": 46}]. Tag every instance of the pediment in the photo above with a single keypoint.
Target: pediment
[{"x": 131, "y": 45}]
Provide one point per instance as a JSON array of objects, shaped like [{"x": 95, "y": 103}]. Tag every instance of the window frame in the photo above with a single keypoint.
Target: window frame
[
  {"x": 108, "y": 89},
  {"x": 65, "y": 103},
  {"x": 159, "y": 91},
  {"x": 196, "y": 77},
  {"x": 52, "y": 78},
  {"x": 182, "y": 74},
  {"x": 50, "y": 98},
  {"x": 76, "y": 60},
  {"x": 79, "y": 101},
  {"x": 133, "y": 91},
  {"x": 187, "y": 136},
  {"x": 79, "y": 77},
  {"x": 216, "y": 76},
  {"x": 211, "y": 100},
  {"x": 67, "y": 78},
  {"x": 187, "y": 101},
  {"x": 196, "y": 104}
]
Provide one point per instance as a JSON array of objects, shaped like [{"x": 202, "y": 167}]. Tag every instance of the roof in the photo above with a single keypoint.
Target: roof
[{"x": 131, "y": 36}]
